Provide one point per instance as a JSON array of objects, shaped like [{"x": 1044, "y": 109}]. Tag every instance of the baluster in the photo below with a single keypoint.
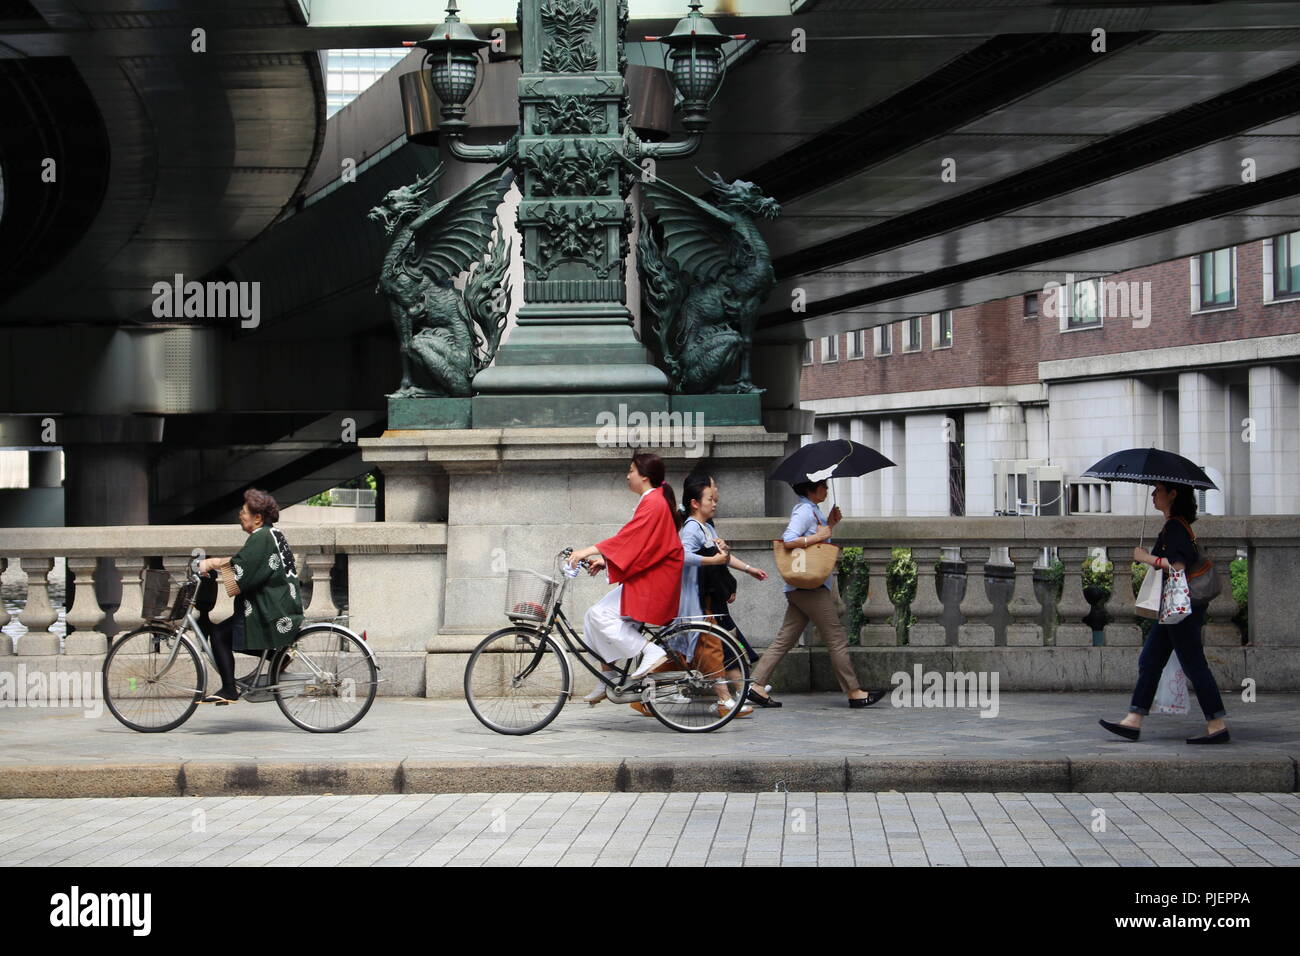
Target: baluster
[
  {"x": 320, "y": 606},
  {"x": 975, "y": 607},
  {"x": 1122, "y": 629},
  {"x": 85, "y": 619},
  {"x": 38, "y": 614},
  {"x": 1221, "y": 631},
  {"x": 130, "y": 613},
  {"x": 1023, "y": 610},
  {"x": 878, "y": 631},
  {"x": 1074, "y": 607},
  {"x": 928, "y": 631},
  {"x": 6, "y": 645}
]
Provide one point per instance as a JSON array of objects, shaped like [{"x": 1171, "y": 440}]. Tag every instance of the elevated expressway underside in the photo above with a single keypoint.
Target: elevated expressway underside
[{"x": 220, "y": 166}]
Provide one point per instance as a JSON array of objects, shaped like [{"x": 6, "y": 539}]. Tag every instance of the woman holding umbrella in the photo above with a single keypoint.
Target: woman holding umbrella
[
  {"x": 1174, "y": 550},
  {"x": 807, "y": 470}
]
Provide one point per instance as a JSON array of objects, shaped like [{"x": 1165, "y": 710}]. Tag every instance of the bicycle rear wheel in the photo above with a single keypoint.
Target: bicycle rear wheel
[
  {"x": 517, "y": 680},
  {"x": 329, "y": 680},
  {"x": 148, "y": 688},
  {"x": 685, "y": 699}
]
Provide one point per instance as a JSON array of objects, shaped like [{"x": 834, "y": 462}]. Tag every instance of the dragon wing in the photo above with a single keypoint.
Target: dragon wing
[
  {"x": 696, "y": 235},
  {"x": 453, "y": 234}
]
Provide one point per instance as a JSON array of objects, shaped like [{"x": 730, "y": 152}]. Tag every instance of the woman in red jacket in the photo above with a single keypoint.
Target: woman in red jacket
[{"x": 645, "y": 560}]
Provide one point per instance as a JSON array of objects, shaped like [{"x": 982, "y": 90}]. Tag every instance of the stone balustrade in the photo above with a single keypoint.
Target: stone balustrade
[{"x": 392, "y": 578}]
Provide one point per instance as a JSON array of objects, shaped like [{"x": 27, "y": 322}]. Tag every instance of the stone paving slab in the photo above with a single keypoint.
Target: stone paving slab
[
  {"x": 660, "y": 829},
  {"x": 1038, "y": 742}
]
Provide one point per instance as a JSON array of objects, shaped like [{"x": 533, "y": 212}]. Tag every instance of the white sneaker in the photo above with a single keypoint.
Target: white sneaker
[
  {"x": 730, "y": 704},
  {"x": 596, "y": 696},
  {"x": 651, "y": 657}
]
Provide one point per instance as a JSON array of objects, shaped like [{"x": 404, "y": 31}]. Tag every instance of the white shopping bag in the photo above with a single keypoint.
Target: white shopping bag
[
  {"x": 1172, "y": 695},
  {"x": 1148, "y": 599}
]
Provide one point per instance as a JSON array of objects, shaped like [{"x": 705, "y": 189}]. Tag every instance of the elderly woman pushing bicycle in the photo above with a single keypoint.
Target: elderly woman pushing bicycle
[{"x": 263, "y": 580}]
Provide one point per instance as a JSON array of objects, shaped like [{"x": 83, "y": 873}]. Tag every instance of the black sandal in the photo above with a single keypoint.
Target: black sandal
[{"x": 873, "y": 697}]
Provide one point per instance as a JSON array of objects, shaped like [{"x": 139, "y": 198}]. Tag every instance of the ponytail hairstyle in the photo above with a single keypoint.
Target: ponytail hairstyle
[
  {"x": 693, "y": 489},
  {"x": 649, "y": 465}
]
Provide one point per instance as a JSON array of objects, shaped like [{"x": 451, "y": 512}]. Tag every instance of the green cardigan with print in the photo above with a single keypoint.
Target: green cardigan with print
[{"x": 272, "y": 597}]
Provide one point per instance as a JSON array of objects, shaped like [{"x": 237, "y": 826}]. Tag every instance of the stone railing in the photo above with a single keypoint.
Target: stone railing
[
  {"x": 995, "y": 596},
  {"x": 363, "y": 559},
  {"x": 393, "y": 579}
]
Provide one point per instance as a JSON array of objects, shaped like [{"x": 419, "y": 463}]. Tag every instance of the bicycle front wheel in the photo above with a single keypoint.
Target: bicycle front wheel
[
  {"x": 686, "y": 698},
  {"x": 517, "y": 680},
  {"x": 153, "y": 680},
  {"x": 325, "y": 681}
]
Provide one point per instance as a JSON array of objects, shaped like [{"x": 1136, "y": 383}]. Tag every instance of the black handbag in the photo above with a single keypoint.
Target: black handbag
[{"x": 716, "y": 583}]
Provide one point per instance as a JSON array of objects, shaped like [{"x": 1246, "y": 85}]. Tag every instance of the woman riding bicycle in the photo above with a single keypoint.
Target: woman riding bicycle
[
  {"x": 645, "y": 561},
  {"x": 263, "y": 580}
]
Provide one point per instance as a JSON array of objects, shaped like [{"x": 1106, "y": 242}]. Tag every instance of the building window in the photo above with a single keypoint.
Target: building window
[
  {"x": 857, "y": 344},
  {"x": 1031, "y": 304},
  {"x": 912, "y": 334},
  {"x": 1217, "y": 290},
  {"x": 1286, "y": 265},
  {"x": 941, "y": 330},
  {"x": 830, "y": 349},
  {"x": 1085, "y": 304},
  {"x": 349, "y": 73},
  {"x": 884, "y": 339},
  {"x": 807, "y": 353}
]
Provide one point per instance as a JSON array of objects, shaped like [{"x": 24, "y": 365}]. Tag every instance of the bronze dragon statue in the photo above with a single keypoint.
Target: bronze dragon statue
[
  {"x": 445, "y": 336},
  {"x": 705, "y": 272}
]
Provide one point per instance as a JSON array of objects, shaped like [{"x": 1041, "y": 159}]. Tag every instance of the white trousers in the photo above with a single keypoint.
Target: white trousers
[{"x": 608, "y": 633}]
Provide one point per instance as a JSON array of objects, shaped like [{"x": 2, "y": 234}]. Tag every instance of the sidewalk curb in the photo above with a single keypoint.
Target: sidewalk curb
[{"x": 1264, "y": 774}]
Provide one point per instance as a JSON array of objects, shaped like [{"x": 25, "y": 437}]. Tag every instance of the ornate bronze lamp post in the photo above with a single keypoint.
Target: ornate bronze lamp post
[{"x": 576, "y": 157}]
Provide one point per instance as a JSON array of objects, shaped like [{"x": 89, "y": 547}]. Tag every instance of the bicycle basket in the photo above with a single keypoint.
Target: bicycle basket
[
  {"x": 529, "y": 595},
  {"x": 157, "y": 589},
  {"x": 184, "y": 600}
]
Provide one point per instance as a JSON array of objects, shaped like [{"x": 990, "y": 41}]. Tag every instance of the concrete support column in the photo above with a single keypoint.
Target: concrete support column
[
  {"x": 777, "y": 367},
  {"x": 893, "y": 481},
  {"x": 85, "y": 618},
  {"x": 44, "y": 469},
  {"x": 1275, "y": 452},
  {"x": 38, "y": 614}
]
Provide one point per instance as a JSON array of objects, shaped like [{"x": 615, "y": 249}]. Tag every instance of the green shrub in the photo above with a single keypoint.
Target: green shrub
[
  {"x": 1239, "y": 576},
  {"x": 321, "y": 500},
  {"x": 900, "y": 580},
  {"x": 853, "y": 589}
]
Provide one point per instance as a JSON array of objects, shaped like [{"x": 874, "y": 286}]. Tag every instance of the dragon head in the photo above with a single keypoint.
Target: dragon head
[
  {"x": 401, "y": 204},
  {"x": 743, "y": 196}
]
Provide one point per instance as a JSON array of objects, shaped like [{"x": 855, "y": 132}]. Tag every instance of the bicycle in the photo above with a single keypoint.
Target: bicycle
[
  {"x": 518, "y": 678},
  {"x": 155, "y": 675}
]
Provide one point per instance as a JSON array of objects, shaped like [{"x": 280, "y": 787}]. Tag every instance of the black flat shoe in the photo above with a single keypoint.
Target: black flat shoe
[
  {"x": 1128, "y": 733},
  {"x": 757, "y": 701},
  {"x": 1220, "y": 738},
  {"x": 873, "y": 697}
]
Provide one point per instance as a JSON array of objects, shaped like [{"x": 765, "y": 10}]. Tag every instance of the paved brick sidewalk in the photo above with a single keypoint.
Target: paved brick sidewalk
[
  {"x": 658, "y": 829},
  {"x": 1027, "y": 725},
  {"x": 1037, "y": 742}
]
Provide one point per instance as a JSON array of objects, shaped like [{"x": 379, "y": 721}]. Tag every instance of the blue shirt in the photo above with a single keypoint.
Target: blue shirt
[
  {"x": 804, "y": 521},
  {"x": 694, "y": 537}
]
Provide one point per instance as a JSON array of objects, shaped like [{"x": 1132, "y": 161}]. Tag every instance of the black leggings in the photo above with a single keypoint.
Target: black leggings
[{"x": 224, "y": 637}]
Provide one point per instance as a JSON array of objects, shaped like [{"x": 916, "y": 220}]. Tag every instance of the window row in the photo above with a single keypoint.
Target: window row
[
  {"x": 910, "y": 336},
  {"x": 1084, "y": 303}
]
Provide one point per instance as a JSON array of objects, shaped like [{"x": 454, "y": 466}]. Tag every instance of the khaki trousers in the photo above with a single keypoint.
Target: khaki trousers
[{"x": 817, "y": 605}]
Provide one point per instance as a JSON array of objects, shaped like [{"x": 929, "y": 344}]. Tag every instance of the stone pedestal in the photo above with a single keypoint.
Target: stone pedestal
[{"x": 421, "y": 412}]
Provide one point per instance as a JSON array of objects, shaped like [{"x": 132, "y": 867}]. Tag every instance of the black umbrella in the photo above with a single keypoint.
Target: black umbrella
[
  {"x": 1146, "y": 466},
  {"x": 835, "y": 458}
]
